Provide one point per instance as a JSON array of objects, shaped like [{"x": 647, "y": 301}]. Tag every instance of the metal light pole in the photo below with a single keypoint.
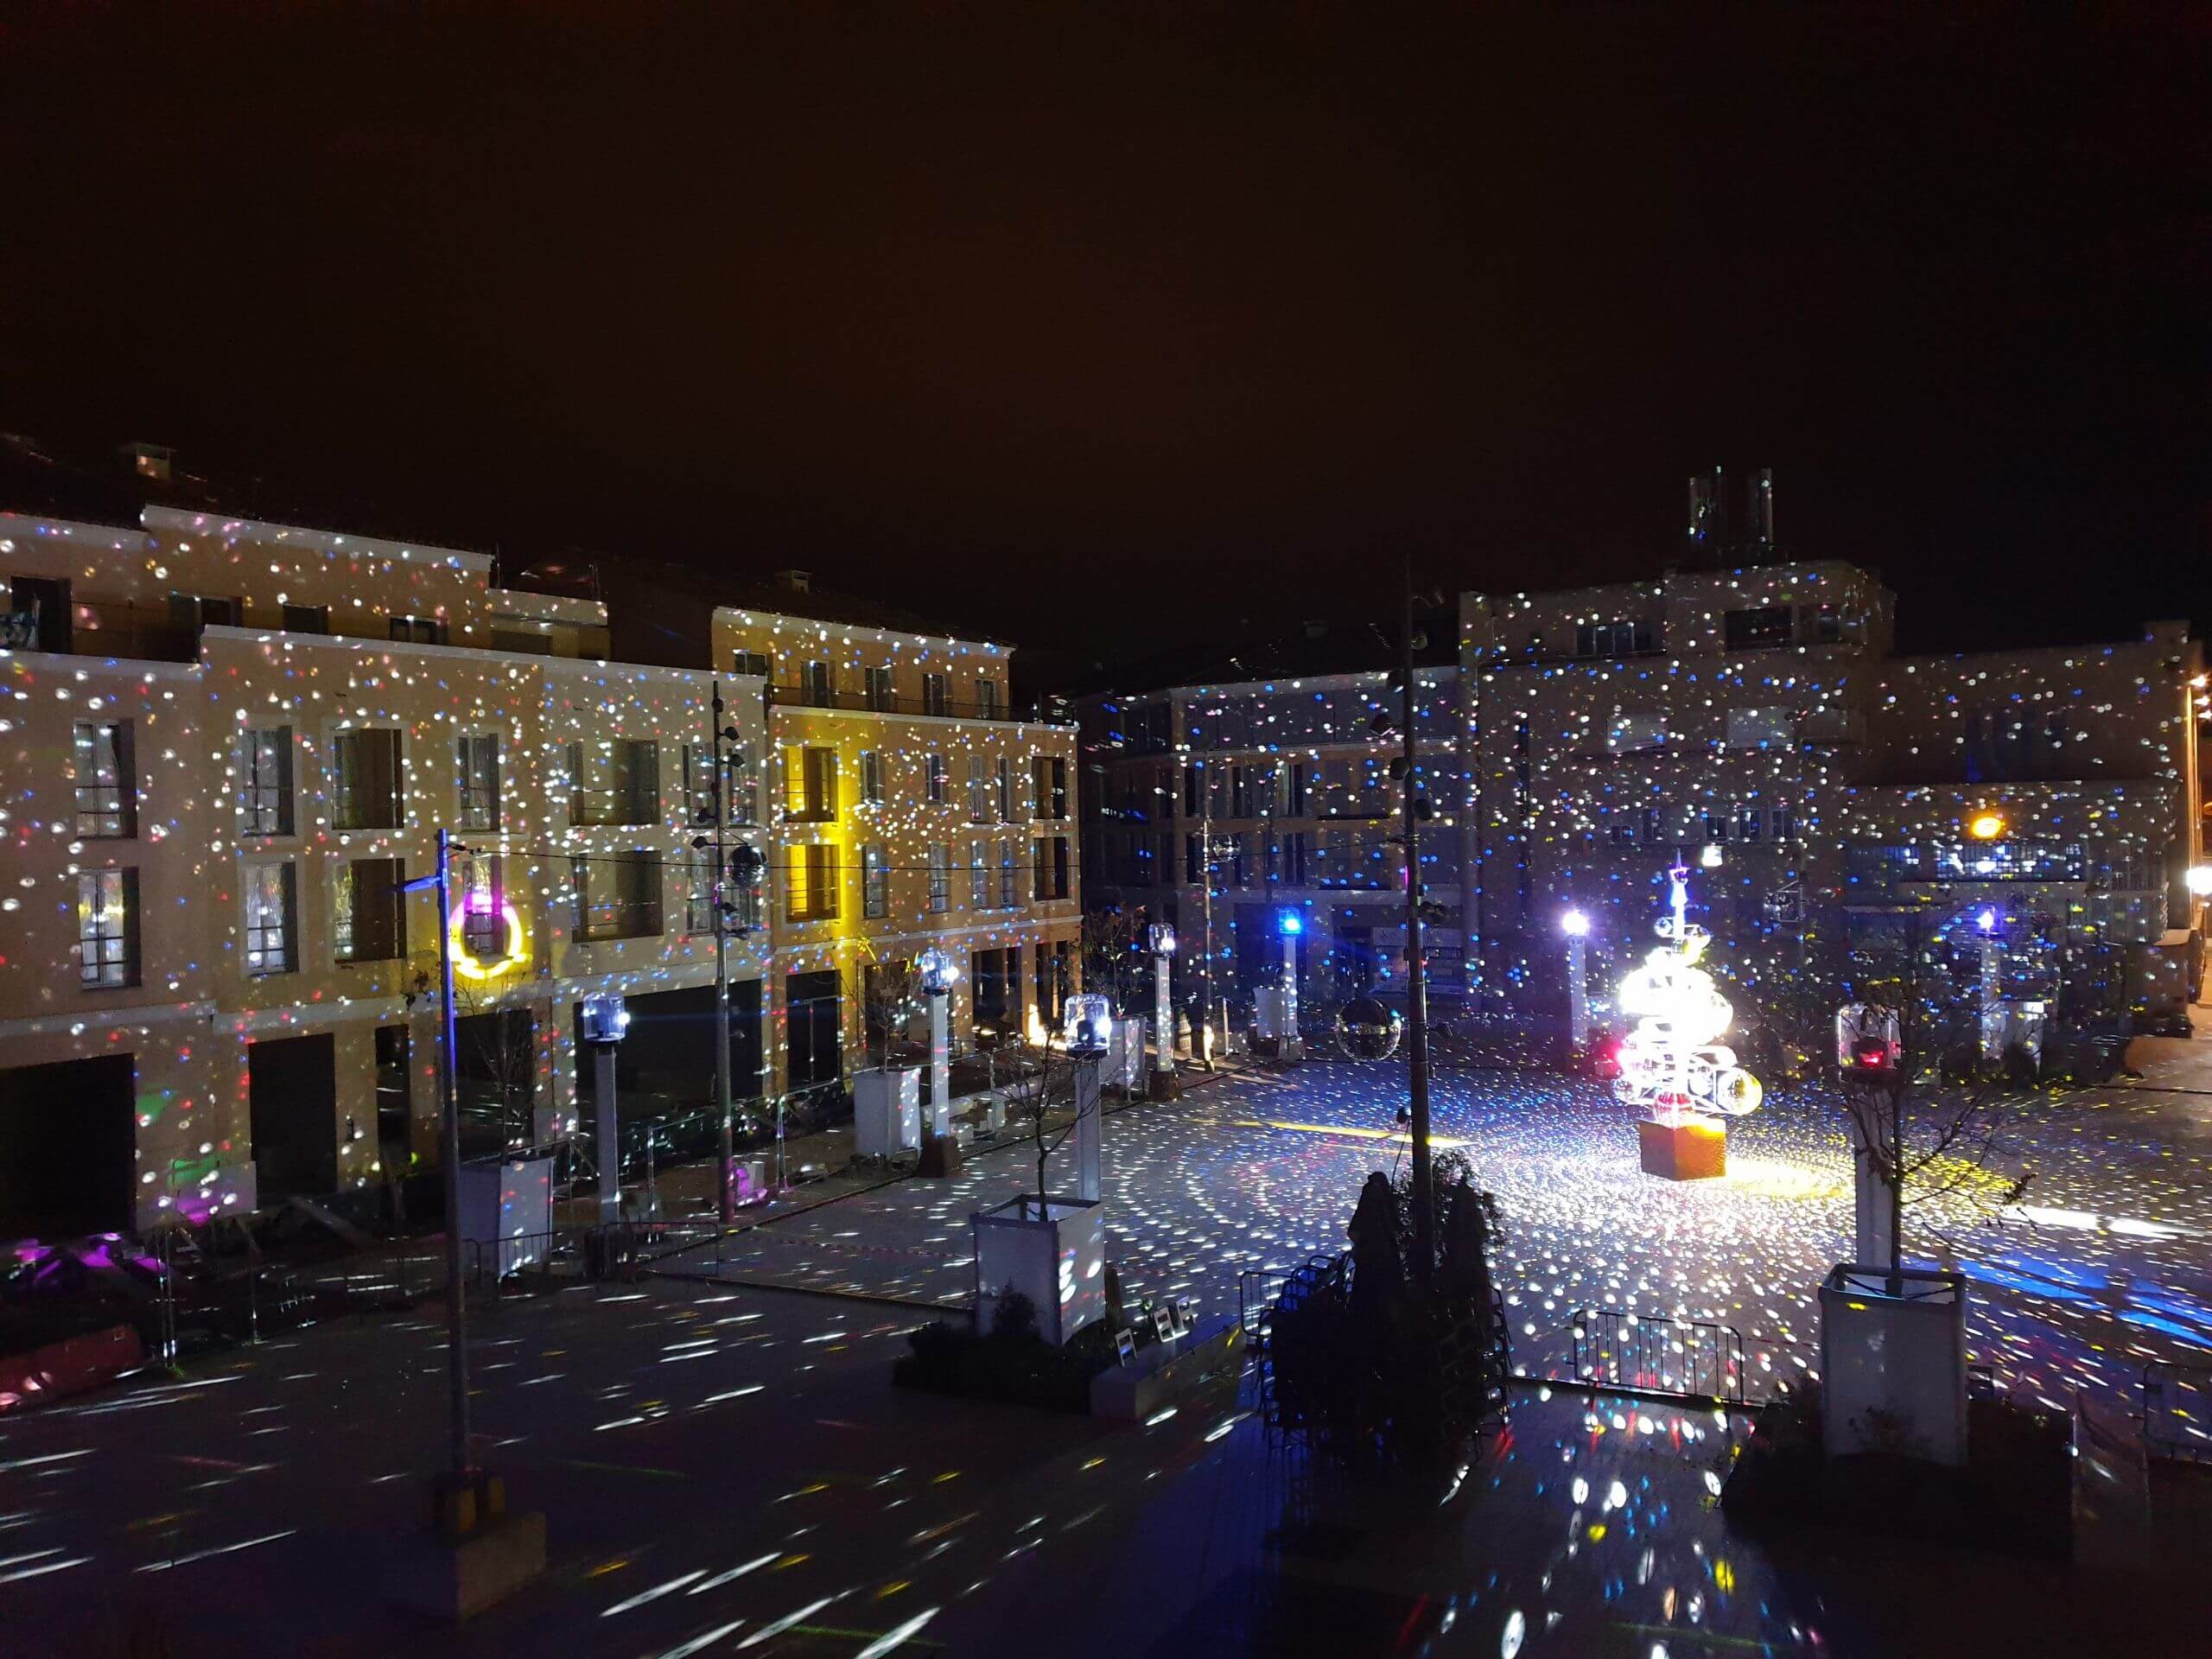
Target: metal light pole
[
  {"x": 1993, "y": 1007},
  {"x": 1202, "y": 1037},
  {"x": 449, "y": 1154},
  {"x": 1416, "y": 972},
  {"x": 938, "y": 972},
  {"x": 1161, "y": 937},
  {"x": 723, "y": 1208},
  {"x": 1292, "y": 927}
]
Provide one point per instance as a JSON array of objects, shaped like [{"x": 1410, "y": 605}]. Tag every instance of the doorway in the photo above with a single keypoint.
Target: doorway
[
  {"x": 67, "y": 1148},
  {"x": 292, "y": 1096}
]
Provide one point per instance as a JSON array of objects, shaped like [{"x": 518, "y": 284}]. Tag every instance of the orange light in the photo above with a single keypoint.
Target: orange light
[{"x": 1985, "y": 826}]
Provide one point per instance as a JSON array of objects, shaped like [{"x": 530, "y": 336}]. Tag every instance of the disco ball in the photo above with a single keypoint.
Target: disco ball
[{"x": 1368, "y": 1031}]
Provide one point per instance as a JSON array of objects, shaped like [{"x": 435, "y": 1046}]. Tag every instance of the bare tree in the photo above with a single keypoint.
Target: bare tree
[
  {"x": 890, "y": 997},
  {"x": 1041, "y": 1079},
  {"x": 1928, "y": 1129},
  {"x": 1109, "y": 954}
]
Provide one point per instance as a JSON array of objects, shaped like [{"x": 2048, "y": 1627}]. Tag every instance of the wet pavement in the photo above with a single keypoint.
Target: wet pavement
[{"x": 726, "y": 1468}]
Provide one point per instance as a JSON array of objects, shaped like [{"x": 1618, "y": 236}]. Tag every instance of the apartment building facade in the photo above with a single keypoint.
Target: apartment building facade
[
  {"x": 1830, "y": 794},
  {"x": 230, "y": 743}
]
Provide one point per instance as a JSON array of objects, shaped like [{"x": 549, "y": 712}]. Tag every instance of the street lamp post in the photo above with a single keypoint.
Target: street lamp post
[
  {"x": 938, "y": 974},
  {"x": 1292, "y": 927},
  {"x": 1160, "y": 937},
  {"x": 1424, "y": 1192},
  {"x": 1988, "y": 925},
  {"x": 1576, "y": 926}
]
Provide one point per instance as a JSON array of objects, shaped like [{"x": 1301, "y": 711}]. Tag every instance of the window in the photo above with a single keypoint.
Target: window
[
  {"x": 940, "y": 876},
  {"x": 749, "y": 662},
  {"x": 271, "y": 929},
  {"x": 1191, "y": 785},
  {"x": 1294, "y": 859},
  {"x": 1007, "y": 896},
  {"x": 1294, "y": 805},
  {"x": 1822, "y": 624},
  {"x": 1751, "y": 824},
  {"x": 979, "y": 875},
  {"x": 1194, "y": 860},
  {"x": 1614, "y": 638},
  {"x": 933, "y": 776},
  {"x": 480, "y": 781},
  {"x": 617, "y": 895},
  {"x": 307, "y": 619},
  {"x": 979, "y": 790},
  {"x": 422, "y": 630},
  {"x": 1005, "y": 790},
  {"x": 1240, "y": 863},
  {"x": 107, "y": 787},
  {"x": 368, "y": 919},
  {"x": 615, "y": 781},
  {"x": 875, "y": 884},
  {"x": 366, "y": 795},
  {"x": 810, "y": 893},
  {"x": 265, "y": 798},
  {"x": 1631, "y": 731},
  {"x": 740, "y": 787},
  {"x": 107, "y": 928},
  {"x": 1715, "y": 824},
  {"x": 1051, "y": 782},
  {"x": 879, "y": 688},
  {"x": 1766, "y": 625},
  {"x": 1040, "y": 878},
  {"x": 932, "y": 693},
  {"x": 483, "y": 908},
  {"x": 1240, "y": 792},
  {"x": 810, "y": 785},
  {"x": 871, "y": 777},
  {"x": 987, "y": 698},
  {"x": 699, "y": 894},
  {"x": 1783, "y": 820},
  {"x": 1760, "y": 728},
  {"x": 818, "y": 685},
  {"x": 1051, "y": 865},
  {"x": 1623, "y": 830},
  {"x": 699, "y": 803}
]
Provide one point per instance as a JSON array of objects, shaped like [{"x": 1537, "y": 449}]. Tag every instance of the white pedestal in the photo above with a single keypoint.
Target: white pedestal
[
  {"x": 886, "y": 1112},
  {"x": 1893, "y": 1369},
  {"x": 1059, "y": 1262},
  {"x": 1089, "y": 1127},
  {"x": 506, "y": 1212}
]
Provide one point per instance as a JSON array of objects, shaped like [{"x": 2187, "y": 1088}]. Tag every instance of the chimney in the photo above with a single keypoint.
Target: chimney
[
  {"x": 1704, "y": 525},
  {"x": 152, "y": 461},
  {"x": 797, "y": 581},
  {"x": 1762, "y": 505}
]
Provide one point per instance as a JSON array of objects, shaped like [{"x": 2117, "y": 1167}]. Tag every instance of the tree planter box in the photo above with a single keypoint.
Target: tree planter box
[
  {"x": 1689, "y": 1149},
  {"x": 886, "y": 1112},
  {"x": 1893, "y": 1366},
  {"x": 1059, "y": 1262}
]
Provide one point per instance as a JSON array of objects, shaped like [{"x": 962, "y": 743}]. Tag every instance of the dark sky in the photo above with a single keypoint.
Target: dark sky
[{"x": 1093, "y": 324}]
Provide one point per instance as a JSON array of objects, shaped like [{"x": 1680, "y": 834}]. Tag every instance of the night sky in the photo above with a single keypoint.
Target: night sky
[{"x": 1102, "y": 327}]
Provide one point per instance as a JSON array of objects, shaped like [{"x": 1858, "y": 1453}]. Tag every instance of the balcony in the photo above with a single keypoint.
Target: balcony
[
  {"x": 801, "y": 696},
  {"x": 133, "y": 632}
]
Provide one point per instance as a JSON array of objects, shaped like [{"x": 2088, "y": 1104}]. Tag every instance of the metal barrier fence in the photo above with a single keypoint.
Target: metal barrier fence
[
  {"x": 2178, "y": 1412},
  {"x": 1687, "y": 1359}
]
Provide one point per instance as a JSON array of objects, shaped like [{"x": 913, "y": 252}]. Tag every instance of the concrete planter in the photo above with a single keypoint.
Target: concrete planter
[
  {"x": 887, "y": 1111},
  {"x": 1893, "y": 1367},
  {"x": 506, "y": 1213},
  {"x": 1058, "y": 1261},
  {"x": 1687, "y": 1149}
]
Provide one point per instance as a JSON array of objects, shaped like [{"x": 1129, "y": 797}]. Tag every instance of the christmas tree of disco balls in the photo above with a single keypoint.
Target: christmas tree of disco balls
[{"x": 1673, "y": 1069}]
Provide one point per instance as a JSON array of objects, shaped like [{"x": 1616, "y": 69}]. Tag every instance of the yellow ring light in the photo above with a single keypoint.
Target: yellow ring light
[{"x": 469, "y": 965}]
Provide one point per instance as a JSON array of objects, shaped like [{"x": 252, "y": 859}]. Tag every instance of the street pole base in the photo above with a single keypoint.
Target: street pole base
[
  {"x": 1165, "y": 1085},
  {"x": 474, "y": 1556}
]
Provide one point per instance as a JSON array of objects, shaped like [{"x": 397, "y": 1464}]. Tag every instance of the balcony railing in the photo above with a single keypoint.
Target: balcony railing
[{"x": 803, "y": 697}]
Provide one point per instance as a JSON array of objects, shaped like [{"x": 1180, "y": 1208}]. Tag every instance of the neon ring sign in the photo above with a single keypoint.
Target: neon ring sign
[{"x": 466, "y": 963}]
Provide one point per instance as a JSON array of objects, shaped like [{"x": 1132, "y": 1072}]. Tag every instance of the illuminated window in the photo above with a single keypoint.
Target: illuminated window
[
  {"x": 810, "y": 785},
  {"x": 875, "y": 885},
  {"x": 940, "y": 877},
  {"x": 271, "y": 910},
  {"x": 107, "y": 789},
  {"x": 480, "y": 781},
  {"x": 107, "y": 928},
  {"x": 365, "y": 790},
  {"x": 483, "y": 910},
  {"x": 265, "y": 796},
  {"x": 810, "y": 883}
]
